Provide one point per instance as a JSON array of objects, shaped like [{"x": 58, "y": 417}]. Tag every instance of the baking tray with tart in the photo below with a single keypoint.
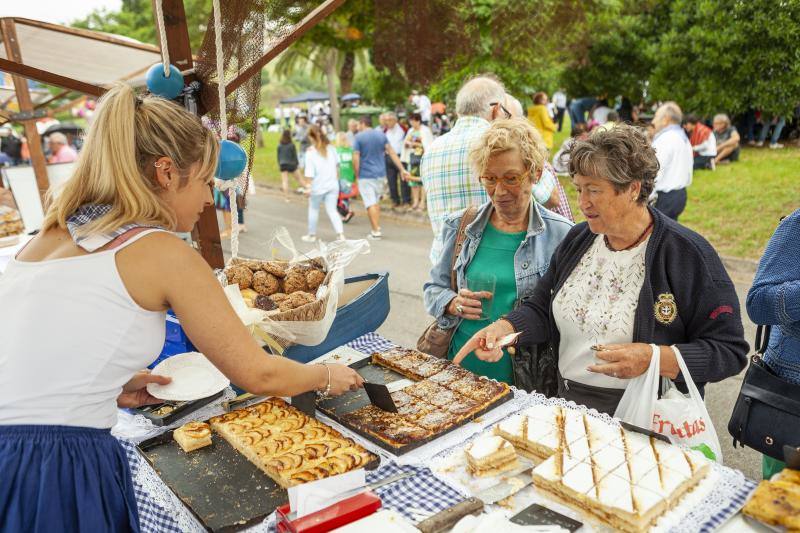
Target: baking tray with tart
[
  {"x": 431, "y": 406},
  {"x": 221, "y": 487},
  {"x": 167, "y": 413}
]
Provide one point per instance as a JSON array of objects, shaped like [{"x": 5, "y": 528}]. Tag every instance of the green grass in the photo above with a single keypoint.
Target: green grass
[{"x": 735, "y": 207}]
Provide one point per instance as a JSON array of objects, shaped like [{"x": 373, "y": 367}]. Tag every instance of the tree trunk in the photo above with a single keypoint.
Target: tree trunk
[
  {"x": 347, "y": 72},
  {"x": 332, "y": 76}
]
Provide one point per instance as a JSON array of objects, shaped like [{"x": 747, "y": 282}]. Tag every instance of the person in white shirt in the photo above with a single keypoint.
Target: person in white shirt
[
  {"x": 560, "y": 101},
  {"x": 398, "y": 188},
  {"x": 322, "y": 169},
  {"x": 674, "y": 155},
  {"x": 423, "y": 106}
]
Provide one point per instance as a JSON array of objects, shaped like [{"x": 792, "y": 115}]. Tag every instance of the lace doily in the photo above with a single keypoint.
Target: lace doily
[{"x": 711, "y": 498}]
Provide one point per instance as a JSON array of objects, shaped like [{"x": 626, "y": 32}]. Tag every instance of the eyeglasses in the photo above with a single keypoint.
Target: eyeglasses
[
  {"x": 502, "y": 107},
  {"x": 509, "y": 182}
]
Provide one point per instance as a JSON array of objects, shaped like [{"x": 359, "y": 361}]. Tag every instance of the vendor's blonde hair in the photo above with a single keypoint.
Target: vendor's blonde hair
[
  {"x": 510, "y": 134},
  {"x": 117, "y": 163}
]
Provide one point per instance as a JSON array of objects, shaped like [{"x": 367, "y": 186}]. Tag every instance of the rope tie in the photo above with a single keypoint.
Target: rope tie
[{"x": 163, "y": 36}]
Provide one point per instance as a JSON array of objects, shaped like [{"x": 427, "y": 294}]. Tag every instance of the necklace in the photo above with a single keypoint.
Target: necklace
[{"x": 635, "y": 243}]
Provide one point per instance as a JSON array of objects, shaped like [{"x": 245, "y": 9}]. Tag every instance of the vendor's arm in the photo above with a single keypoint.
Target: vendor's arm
[
  {"x": 774, "y": 298},
  {"x": 160, "y": 271}
]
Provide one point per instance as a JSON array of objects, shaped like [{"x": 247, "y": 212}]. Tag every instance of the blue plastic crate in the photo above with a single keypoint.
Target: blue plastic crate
[
  {"x": 175, "y": 340},
  {"x": 363, "y": 314}
]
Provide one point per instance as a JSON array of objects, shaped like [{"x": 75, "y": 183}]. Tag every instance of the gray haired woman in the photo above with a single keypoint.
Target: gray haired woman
[{"x": 626, "y": 278}]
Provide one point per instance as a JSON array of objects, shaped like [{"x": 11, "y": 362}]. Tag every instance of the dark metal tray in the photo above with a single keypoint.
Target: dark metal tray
[
  {"x": 219, "y": 485},
  {"x": 339, "y": 406},
  {"x": 181, "y": 409}
]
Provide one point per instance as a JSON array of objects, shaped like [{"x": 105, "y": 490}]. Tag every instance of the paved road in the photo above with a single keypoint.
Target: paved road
[{"x": 404, "y": 254}]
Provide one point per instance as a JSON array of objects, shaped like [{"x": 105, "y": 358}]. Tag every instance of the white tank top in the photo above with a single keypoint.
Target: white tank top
[{"x": 70, "y": 337}]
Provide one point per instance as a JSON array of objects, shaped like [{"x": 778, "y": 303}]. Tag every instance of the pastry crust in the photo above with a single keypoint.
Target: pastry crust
[
  {"x": 287, "y": 445},
  {"x": 192, "y": 436},
  {"x": 392, "y": 428}
]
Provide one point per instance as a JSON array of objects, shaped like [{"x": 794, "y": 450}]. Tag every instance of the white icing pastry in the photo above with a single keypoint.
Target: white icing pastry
[
  {"x": 601, "y": 433},
  {"x": 579, "y": 478},
  {"x": 651, "y": 481},
  {"x": 607, "y": 459},
  {"x": 613, "y": 491},
  {"x": 486, "y": 445},
  {"x": 574, "y": 427},
  {"x": 548, "y": 469},
  {"x": 513, "y": 426},
  {"x": 542, "y": 434},
  {"x": 636, "y": 442},
  {"x": 578, "y": 449},
  {"x": 543, "y": 412}
]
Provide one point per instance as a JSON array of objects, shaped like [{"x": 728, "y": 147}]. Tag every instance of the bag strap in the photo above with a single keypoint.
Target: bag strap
[
  {"x": 762, "y": 339},
  {"x": 467, "y": 219}
]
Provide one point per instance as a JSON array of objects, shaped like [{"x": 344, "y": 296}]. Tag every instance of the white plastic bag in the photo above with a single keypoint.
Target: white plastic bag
[{"x": 683, "y": 419}]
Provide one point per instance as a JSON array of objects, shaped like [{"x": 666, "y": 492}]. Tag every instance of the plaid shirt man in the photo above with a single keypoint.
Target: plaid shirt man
[{"x": 449, "y": 182}]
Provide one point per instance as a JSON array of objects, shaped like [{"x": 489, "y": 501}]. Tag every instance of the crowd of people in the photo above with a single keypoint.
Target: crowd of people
[{"x": 590, "y": 304}]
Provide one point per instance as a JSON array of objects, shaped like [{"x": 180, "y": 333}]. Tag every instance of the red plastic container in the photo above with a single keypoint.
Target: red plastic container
[{"x": 337, "y": 515}]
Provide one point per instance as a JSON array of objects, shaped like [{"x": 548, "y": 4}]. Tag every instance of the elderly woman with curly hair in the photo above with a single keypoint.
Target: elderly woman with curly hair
[
  {"x": 509, "y": 238},
  {"x": 626, "y": 278}
]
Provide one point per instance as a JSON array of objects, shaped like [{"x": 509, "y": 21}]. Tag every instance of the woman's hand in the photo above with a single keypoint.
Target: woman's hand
[
  {"x": 343, "y": 379},
  {"x": 467, "y": 304},
  {"x": 484, "y": 343},
  {"x": 406, "y": 175},
  {"x": 134, "y": 392},
  {"x": 627, "y": 361}
]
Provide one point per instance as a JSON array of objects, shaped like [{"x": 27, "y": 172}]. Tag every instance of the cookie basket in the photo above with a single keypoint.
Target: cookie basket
[{"x": 309, "y": 322}]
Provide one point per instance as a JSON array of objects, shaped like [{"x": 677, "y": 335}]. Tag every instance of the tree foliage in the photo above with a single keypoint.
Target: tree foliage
[{"x": 722, "y": 55}]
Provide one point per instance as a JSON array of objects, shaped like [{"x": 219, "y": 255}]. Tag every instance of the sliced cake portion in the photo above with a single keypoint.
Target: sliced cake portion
[
  {"x": 532, "y": 438},
  {"x": 192, "y": 436},
  {"x": 490, "y": 455}
]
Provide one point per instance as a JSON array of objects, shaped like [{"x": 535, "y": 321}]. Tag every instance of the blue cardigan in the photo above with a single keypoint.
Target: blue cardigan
[{"x": 774, "y": 298}]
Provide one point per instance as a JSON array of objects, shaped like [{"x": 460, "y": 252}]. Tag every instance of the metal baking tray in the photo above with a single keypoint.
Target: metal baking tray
[
  {"x": 219, "y": 485},
  {"x": 339, "y": 406},
  {"x": 180, "y": 409}
]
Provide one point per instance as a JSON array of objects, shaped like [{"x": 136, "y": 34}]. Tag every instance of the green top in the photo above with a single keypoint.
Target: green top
[
  {"x": 346, "y": 171},
  {"x": 495, "y": 254}
]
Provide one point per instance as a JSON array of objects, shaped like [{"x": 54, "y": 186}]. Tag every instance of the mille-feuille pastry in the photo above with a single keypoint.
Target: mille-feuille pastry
[
  {"x": 489, "y": 455},
  {"x": 532, "y": 438},
  {"x": 287, "y": 445},
  {"x": 193, "y": 436},
  {"x": 392, "y": 428}
]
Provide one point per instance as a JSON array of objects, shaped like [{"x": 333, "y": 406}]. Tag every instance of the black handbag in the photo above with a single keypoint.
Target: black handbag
[
  {"x": 536, "y": 369},
  {"x": 766, "y": 415}
]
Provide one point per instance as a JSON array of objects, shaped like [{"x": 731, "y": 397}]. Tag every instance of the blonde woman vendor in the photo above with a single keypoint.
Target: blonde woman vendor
[{"x": 82, "y": 312}]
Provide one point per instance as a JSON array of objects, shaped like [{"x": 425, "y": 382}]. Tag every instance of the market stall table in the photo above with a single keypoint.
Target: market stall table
[{"x": 426, "y": 492}]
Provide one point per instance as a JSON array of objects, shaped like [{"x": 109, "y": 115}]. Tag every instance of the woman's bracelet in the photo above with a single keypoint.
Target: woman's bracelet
[{"x": 326, "y": 393}]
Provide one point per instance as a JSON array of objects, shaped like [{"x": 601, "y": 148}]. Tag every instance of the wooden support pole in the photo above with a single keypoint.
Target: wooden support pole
[
  {"x": 206, "y": 232},
  {"x": 33, "y": 73},
  {"x": 25, "y": 104}
]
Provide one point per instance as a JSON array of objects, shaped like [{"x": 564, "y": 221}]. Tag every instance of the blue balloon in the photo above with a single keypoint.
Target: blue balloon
[
  {"x": 232, "y": 160},
  {"x": 160, "y": 85}
]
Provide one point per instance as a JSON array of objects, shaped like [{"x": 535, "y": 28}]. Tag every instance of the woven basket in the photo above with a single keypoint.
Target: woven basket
[{"x": 309, "y": 312}]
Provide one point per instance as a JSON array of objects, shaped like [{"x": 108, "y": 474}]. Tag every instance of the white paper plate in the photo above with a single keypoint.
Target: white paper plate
[
  {"x": 193, "y": 377},
  {"x": 9, "y": 240}
]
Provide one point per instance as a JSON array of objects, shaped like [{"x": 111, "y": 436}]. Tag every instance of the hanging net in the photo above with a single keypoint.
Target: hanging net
[{"x": 248, "y": 29}]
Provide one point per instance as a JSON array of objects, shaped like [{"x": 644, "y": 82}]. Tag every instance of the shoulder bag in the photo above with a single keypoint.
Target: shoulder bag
[
  {"x": 435, "y": 340},
  {"x": 766, "y": 416}
]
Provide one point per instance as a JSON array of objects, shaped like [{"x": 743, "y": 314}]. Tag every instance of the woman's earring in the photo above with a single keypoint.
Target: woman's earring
[{"x": 157, "y": 165}]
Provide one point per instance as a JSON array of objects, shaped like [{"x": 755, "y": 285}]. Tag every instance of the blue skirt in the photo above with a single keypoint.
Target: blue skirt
[{"x": 60, "y": 478}]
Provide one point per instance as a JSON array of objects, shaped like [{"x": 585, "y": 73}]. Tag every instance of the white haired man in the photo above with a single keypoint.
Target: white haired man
[
  {"x": 674, "y": 153},
  {"x": 450, "y": 183},
  {"x": 60, "y": 150},
  {"x": 727, "y": 139}
]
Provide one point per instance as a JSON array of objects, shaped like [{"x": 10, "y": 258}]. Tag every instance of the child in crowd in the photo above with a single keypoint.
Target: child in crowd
[
  {"x": 322, "y": 169},
  {"x": 347, "y": 187}
]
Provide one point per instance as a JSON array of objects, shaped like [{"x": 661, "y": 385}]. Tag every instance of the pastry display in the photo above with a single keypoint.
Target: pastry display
[
  {"x": 10, "y": 222},
  {"x": 624, "y": 479},
  {"x": 427, "y": 407},
  {"x": 193, "y": 436},
  {"x": 777, "y": 502},
  {"x": 287, "y": 287},
  {"x": 489, "y": 455},
  {"x": 287, "y": 445}
]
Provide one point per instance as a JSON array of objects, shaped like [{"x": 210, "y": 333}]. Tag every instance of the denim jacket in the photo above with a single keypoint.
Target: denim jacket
[
  {"x": 545, "y": 231},
  {"x": 774, "y": 298}
]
